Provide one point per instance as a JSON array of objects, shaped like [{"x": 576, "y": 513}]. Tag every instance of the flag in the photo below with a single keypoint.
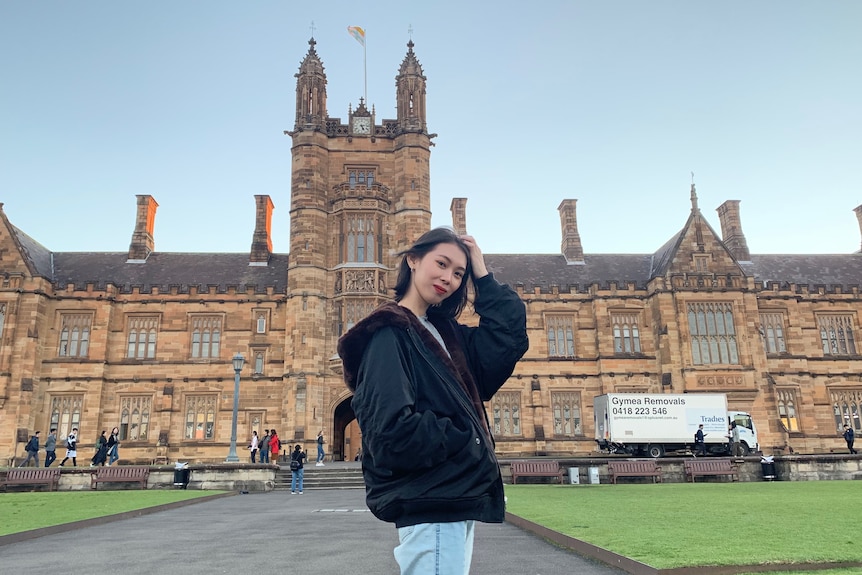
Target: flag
[{"x": 357, "y": 33}]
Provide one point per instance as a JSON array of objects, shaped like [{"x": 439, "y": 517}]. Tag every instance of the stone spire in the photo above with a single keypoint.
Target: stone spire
[
  {"x": 410, "y": 93},
  {"x": 310, "y": 91}
]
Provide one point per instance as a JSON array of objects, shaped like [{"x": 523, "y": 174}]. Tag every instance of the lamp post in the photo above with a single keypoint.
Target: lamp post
[{"x": 238, "y": 362}]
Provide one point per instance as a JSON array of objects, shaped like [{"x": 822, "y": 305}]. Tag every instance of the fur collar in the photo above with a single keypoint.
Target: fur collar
[{"x": 352, "y": 345}]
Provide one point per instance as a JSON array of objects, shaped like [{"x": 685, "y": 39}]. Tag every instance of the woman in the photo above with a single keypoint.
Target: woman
[
  {"x": 114, "y": 446},
  {"x": 321, "y": 454},
  {"x": 252, "y": 446},
  {"x": 274, "y": 444},
  {"x": 297, "y": 466},
  {"x": 419, "y": 379},
  {"x": 71, "y": 448},
  {"x": 101, "y": 451}
]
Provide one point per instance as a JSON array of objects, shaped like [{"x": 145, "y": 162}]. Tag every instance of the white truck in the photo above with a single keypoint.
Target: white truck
[{"x": 655, "y": 424}]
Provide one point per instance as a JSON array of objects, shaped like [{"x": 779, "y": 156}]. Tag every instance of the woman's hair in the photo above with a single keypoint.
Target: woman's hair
[
  {"x": 452, "y": 305},
  {"x": 254, "y": 432},
  {"x": 271, "y": 431},
  {"x": 297, "y": 447}
]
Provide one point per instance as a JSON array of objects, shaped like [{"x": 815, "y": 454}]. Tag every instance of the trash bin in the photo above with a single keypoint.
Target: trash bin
[
  {"x": 574, "y": 476},
  {"x": 767, "y": 466},
  {"x": 182, "y": 474},
  {"x": 594, "y": 475}
]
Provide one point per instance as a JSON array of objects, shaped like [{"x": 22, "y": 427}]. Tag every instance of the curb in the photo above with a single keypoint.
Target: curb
[
  {"x": 63, "y": 527},
  {"x": 637, "y": 568}
]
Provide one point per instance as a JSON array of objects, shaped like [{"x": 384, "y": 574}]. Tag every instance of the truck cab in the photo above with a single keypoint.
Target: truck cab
[{"x": 747, "y": 432}]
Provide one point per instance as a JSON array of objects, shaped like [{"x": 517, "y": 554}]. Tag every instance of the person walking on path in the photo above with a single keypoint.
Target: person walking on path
[
  {"x": 71, "y": 448},
  {"x": 252, "y": 446},
  {"x": 419, "y": 381},
  {"x": 101, "y": 451},
  {"x": 32, "y": 449},
  {"x": 321, "y": 454},
  {"x": 264, "y": 447},
  {"x": 51, "y": 447},
  {"x": 297, "y": 469},
  {"x": 699, "y": 442},
  {"x": 114, "y": 446},
  {"x": 849, "y": 438}
]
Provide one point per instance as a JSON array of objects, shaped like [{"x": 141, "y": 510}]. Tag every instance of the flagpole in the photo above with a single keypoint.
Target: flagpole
[{"x": 365, "y": 66}]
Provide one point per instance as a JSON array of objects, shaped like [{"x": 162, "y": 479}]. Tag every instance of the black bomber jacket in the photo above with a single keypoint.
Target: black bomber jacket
[{"x": 427, "y": 454}]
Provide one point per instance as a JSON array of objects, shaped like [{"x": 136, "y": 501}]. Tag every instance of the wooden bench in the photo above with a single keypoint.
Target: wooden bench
[
  {"x": 120, "y": 473},
  {"x": 39, "y": 476},
  {"x": 536, "y": 469},
  {"x": 695, "y": 467},
  {"x": 638, "y": 468}
]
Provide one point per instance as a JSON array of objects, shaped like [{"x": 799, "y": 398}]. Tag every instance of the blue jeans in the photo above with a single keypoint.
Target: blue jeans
[
  {"x": 321, "y": 455},
  {"x": 436, "y": 548},
  {"x": 114, "y": 455},
  {"x": 294, "y": 476},
  {"x": 50, "y": 456},
  {"x": 264, "y": 456}
]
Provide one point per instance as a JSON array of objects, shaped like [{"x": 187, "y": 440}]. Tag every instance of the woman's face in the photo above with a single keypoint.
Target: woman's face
[{"x": 436, "y": 276}]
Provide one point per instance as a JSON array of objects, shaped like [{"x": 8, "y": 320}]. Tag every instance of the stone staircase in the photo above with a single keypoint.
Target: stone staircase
[{"x": 334, "y": 475}]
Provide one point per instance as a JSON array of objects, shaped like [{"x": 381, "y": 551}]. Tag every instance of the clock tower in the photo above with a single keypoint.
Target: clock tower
[
  {"x": 360, "y": 193},
  {"x": 361, "y": 120}
]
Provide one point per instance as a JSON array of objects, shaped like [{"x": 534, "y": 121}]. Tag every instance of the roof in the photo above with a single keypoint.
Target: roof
[
  {"x": 163, "y": 270},
  {"x": 538, "y": 270}
]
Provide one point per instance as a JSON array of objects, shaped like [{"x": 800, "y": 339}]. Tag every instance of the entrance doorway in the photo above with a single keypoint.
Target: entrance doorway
[{"x": 347, "y": 438}]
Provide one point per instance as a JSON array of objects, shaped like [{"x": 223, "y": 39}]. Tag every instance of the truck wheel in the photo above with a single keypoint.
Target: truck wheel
[
  {"x": 655, "y": 451},
  {"x": 743, "y": 449}
]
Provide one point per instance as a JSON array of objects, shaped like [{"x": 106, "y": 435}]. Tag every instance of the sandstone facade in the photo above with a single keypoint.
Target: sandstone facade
[{"x": 143, "y": 340}]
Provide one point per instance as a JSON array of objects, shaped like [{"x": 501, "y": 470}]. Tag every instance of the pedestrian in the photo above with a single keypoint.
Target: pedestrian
[
  {"x": 32, "y": 449},
  {"x": 297, "y": 466},
  {"x": 264, "y": 447},
  {"x": 101, "y": 451},
  {"x": 419, "y": 379},
  {"x": 849, "y": 438},
  {"x": 274, "y": 444},
  {"x": 699, "y": 442},
  {"x": 114, "y": 446},
  {"x": 252, "y": 445},
  {"x": 71, "y": 448},
  {"x": 51, "y": 447},
  {"x": 321, "y": 454},
  {"x": 735, "y": 447}
]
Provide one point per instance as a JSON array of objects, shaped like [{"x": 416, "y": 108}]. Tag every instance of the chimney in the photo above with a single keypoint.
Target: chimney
[
  {"x": 142, "y": 238},
  {"x": 571, "y": 245},
  {"x": 458, "y": 207},
  {"x": 731, "y": 230},
  {"x": 858, "y": 210},
  {"x": 261, "y": 241}
]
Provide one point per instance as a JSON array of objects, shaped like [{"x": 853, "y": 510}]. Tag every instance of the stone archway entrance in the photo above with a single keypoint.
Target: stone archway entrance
[{"x": 347, "y": 438}]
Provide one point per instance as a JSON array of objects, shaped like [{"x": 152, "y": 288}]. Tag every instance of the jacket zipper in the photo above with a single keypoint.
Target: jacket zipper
[{"x": 453, "y": 387}]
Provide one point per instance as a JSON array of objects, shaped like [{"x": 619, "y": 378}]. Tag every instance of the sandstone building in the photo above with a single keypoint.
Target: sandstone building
[{"x": 144, "y": 339}]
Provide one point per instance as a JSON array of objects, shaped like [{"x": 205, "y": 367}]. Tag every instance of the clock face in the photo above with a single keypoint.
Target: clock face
[{"x": 362, "y": 125}]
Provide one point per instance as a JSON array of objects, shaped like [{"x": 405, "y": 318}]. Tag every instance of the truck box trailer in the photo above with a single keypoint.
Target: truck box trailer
[{"x": 654, "y": 424}]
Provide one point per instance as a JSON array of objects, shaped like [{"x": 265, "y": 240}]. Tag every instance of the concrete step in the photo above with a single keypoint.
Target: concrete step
[{"x": 333, "y": 476}]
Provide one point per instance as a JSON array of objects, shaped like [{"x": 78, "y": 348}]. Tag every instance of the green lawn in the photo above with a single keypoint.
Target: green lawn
[
  {"x": 26, "y": 511},
  {"x": 683, "y": 524}
]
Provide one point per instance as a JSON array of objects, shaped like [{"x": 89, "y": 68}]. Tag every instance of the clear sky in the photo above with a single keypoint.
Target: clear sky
[{"x": 613, "y": 103}]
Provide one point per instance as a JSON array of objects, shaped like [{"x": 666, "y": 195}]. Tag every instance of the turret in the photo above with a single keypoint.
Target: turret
[{"x": 310, "y": 91}]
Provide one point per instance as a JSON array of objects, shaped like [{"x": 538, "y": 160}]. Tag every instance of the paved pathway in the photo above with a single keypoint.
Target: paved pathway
[{"x": 322, "y": 532}]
